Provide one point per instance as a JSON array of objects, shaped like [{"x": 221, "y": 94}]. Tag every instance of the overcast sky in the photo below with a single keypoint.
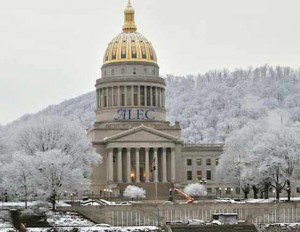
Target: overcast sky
[{"x": 52, "y": 50}]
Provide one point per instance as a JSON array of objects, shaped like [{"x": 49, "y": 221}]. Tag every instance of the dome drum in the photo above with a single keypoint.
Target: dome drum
[{"x": 130, "y": 69}]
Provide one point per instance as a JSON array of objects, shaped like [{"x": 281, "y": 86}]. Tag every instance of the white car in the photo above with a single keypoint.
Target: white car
[{"x": 196, "y": 222}]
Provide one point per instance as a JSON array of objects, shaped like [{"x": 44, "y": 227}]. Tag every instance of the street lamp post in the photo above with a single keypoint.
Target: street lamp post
[
  {"x": 104, "y": 190},
  {"x": 203, "y": 182},
  {"x": 110, "y": 191}
]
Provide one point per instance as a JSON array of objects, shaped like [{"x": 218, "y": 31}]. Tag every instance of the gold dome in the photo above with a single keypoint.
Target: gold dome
[{"x": 129, "y": 45}]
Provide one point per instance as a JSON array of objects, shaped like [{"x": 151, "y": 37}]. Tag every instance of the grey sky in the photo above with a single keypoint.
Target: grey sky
[{"x": 52, "y": 50}]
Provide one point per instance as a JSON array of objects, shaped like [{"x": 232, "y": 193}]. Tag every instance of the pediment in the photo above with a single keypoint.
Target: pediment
[{"x": 142, "y": 134}]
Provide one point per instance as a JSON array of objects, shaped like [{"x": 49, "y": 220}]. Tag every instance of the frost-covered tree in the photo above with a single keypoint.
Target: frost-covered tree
[
  {"x": 57, "y": 172},
  {"x": 232, "y": 168},
  {"x": 134, "y": 192},
  {"x": 263, "y": 153},
  {"x": 277, "y": 153},
  {"x": 195, "y": 190},
  {"x": 19, "y": 176},
  {"x": 62, "y": 155}
]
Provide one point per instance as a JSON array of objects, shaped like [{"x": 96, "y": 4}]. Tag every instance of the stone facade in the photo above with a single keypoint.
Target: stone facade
[{"x": 139, "y": 146}]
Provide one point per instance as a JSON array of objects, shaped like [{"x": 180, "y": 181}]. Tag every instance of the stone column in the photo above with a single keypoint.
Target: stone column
[
  {"x": 145, "y": 95},
  {"x": 151, "y": 96},
  {"x": 112, "y": 96},
  {"x": 120, "y": 179},
  {"x": 164, "y": 165},
  {"x": 106, "y": 92},
  {"x": 173, "y": 165},
  {"x": 155, "y": 165},
  {"x": 139, "y": 95},
  {"x": 125, "y": 93},
  {"x": 156, "y": 96},
  {"x": 137, "y": 165},
  {"x": 118, "y": 96},
  {"x": 110, "y": 166},
  {"x": 147, "y": 163},
  {"x": 97, "y": 92},
  {"x": 132, "y": 95},
  {"x": 128, "y": 166}
]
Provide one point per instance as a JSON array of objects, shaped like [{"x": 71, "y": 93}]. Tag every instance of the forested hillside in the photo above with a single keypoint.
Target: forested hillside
[{"x": 210, "y": 106}]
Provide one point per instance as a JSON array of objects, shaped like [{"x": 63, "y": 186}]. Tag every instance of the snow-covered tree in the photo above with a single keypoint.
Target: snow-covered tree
[
  {"x": 19, "y": 176},
  {"x": 232, "y": 168},
  {"x": 195, "y": 190},
  {"x": 134, "y": 192},
  {"x": 57, "y": 172},
  {"x": 277, "y": 153},
  {"x": 62, "y": 155}
]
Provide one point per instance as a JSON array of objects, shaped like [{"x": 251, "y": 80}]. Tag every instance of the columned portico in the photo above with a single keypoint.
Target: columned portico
[{"x": 144, "y": 167}]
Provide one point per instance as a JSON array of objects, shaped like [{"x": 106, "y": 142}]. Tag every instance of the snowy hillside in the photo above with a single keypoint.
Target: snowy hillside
[{"x": 209, "y": 106}]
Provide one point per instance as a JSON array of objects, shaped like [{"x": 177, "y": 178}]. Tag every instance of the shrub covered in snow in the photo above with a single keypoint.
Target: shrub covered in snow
[
  {"x": 195, "y": 190},
  {"x": 134, "y": 192}
]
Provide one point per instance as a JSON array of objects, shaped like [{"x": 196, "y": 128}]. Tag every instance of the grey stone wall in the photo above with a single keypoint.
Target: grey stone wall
[{"x": 151, "y": 214}]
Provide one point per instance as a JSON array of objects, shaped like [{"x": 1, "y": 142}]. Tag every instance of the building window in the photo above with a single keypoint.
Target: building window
[
  {"x": 148, "y": 95},
  {"x": 208, "y": 162},
  {"x": 115, "y": 96},
  {"x": 189, "y": 175},
  {"x": 189, "y": 162},
  {"x": 153, "y": 96},
  {"x": 145, "y": 70},
  {"x": 109, "y": 93},
  {"x": 217, "y": 162},
  {"x": 122, "y": 96},
  {"x": 158, "y": 97},
  {"x": 135, "y": 95},
  {"x": 199, "y": 162},
  {"x": 153, "y": 72},
  {"x": 142, "y": 93},
  {"x": 237, "y": 190},
  {"x": 208, "y": 175},
  {"x": 228, "y": 190},
  {"x": 104, "y": 74},
  {"x": 123, "y": 71},
  {"x": 134, "y": 71},
  {"x": 199, "y": 175},
  {"x": 105, "y": 98},
  {"x": 209, "y": 190},
  {"x": 112, "y": 72}
]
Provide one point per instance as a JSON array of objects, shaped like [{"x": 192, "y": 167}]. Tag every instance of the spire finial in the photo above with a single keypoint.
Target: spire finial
[{"x": 129, "y": 23}]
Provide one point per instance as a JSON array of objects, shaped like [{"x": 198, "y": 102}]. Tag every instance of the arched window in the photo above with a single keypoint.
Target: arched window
[{"x": 134, "y": 71}]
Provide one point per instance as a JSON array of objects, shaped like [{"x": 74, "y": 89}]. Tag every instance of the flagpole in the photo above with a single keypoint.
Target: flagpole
[{"x": 156, "y": 184}]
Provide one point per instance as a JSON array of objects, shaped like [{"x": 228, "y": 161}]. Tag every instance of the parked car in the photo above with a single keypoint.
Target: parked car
[
  {"x": 196, "y": 222},
  {"x": 176, "y": 223}
]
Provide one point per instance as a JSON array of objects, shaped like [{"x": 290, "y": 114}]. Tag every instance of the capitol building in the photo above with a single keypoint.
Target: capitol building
[{"x": 139, "y": 146}]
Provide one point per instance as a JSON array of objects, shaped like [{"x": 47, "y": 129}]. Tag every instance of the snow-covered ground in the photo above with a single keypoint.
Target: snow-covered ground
[
  {"x": 88, "y": 229},
  {"x": 67, "y": 221}
]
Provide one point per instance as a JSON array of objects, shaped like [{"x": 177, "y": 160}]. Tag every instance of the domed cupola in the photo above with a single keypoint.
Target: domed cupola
[
  {"x": 129, "y": 46},
  {"x": 130, "y": 89}
]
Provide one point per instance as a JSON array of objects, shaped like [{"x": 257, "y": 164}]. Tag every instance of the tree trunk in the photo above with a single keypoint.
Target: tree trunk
[
  {"x": 261, "y": 194},
  {"x": 246, "y": 195},
  {"x": 266, "y": 190},
  {"x": 288, "y": 190},
  {"x": 277, "y": 194},
  {"x": 52, "y": 199},
  {"x": 255, "y": 191}
]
